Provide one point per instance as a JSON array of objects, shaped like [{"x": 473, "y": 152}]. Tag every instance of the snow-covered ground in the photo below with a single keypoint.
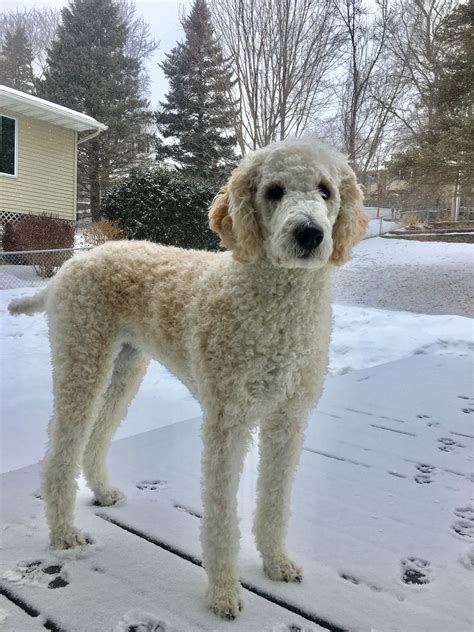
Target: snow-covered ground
[
  {"x": 380, "y": 224},
  {"x": 382, "y": 521},
  {"x": 396, "y": 274}
]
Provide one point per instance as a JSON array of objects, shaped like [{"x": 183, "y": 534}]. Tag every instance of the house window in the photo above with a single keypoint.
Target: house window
[{"x": 7, "y": 145}]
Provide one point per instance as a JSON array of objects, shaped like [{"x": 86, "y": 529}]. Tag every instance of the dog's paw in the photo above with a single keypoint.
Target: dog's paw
[
  {"x": 226, "y": 602},
  {"x": 282, "y": 569},
  {"x": 108, "y": 496},
  {"x": 68, "y": 539}
]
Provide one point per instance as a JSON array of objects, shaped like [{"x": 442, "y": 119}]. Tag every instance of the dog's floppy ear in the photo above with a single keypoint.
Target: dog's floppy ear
[
  {"x": 219, "y": 219},
  {"x": 351, "y": 222},
  {"x": 233, "y": 216}
]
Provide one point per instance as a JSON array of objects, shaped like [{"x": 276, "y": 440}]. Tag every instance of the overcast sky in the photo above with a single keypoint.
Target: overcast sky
[{"x": 161, "y": 15}]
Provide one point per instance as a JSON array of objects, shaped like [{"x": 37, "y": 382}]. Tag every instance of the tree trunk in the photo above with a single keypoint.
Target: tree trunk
[{"x": 94, "y": 180}]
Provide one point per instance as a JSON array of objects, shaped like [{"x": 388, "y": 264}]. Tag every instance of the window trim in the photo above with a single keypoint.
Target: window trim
[{"x": 2, "y": 173}]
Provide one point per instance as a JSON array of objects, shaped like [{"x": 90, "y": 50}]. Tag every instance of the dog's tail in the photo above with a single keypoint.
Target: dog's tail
[{"x": 29, "y": 305}]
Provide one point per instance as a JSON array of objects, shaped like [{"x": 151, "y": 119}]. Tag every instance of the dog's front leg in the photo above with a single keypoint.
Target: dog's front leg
[
  {"x": 225, "y": 443},
  {"x": 281, "y": 438}
]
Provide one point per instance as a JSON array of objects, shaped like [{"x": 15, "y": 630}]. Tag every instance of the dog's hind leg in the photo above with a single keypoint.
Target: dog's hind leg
[
  {"x": 82, "y": 357},
  {"x": 129, "y": 368},
  {"x": 281, "y": 438},
  {"x": 223, "y": 454}
]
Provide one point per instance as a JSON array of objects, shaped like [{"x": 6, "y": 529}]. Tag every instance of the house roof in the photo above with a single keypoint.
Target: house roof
[{"x": 37, "y": 108}]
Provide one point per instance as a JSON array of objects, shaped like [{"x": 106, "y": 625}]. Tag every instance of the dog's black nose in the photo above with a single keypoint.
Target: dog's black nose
[{"x": 309, "y": 236}]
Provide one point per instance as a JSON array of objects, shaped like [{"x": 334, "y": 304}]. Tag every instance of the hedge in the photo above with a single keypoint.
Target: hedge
[{"x": 163, "y": 206}]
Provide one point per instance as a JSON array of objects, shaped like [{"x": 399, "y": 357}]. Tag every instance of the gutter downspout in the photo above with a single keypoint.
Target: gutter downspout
[{"x": 90, "y": 136}]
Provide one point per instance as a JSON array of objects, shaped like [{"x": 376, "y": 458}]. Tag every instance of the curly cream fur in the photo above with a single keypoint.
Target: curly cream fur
[
  {"x": 247, "y": 331},
  {"x": 351, "y": 224}
]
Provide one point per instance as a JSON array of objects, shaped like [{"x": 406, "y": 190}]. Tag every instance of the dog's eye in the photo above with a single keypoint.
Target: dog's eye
[
  {"x": 325, "y": 192},
  {"x": 275, "y": 192}
]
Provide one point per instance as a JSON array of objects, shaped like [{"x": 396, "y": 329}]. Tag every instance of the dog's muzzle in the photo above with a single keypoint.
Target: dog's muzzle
[{"x": 308, "y": 236}]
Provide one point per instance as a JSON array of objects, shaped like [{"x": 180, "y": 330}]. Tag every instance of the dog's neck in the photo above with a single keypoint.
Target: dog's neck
[{"x": 262, "y": 277}]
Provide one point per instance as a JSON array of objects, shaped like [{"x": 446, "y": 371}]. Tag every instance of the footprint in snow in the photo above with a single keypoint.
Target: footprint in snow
[
  {"x": 138, "y": 621},
  {"x": 429, "y": 422},
  {"x": 423, "y": 475},
  {"x": 463, "y": 526},
  {"x": 446, "y": 444},
  {"x": 416, "y": 571},
  {"x": 38, "y": 573},
  {"x": 151, "y": 485}
]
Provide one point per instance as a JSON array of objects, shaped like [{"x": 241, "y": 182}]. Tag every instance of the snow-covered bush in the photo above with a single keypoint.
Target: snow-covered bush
[{"x": 163, "y": 206}]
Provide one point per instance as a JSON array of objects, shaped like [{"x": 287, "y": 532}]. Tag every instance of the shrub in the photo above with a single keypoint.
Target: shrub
[
  {"x": 163, "y": 206},
  {"x": 39, "y": 232},
  {"x": 414, "y": 220},
  {"x": 100, "y": 232}
]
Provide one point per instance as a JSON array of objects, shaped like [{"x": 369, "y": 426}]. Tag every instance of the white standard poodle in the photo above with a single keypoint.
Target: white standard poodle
[{"x": 247, "y": 331}]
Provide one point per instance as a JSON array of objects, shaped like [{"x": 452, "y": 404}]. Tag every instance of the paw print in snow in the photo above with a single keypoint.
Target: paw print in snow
[
  {"x": 463, "y": 527},
  {"x": 446, "y": 444},
  {"x": 138, "y": 621},
  {"x": 429, "y": 422},
  {"x": 424, "y": 473},
  {"x": 38, "y": 573},
  {"x": 151, "y": 485},
  {"x": 416, "y": 571}
]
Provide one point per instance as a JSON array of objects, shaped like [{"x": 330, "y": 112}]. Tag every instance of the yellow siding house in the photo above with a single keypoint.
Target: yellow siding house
[{"x": 38, "y": 155}]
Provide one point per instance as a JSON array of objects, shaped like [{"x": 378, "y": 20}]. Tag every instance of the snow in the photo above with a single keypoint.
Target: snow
[
  {"x": 383, "y": 506},
  {"x": 13, "y": 276},
  {"x": 403, "y": 275},
  {"x": 381, "y": 224},
  {"x": 382, "y": 519},
  {"x": 378, "y": 227}
]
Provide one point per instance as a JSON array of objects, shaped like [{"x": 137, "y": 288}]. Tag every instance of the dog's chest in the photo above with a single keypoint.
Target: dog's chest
[
  {"x": 269, "y": 345},
  {"x": 291, "y": 355}
]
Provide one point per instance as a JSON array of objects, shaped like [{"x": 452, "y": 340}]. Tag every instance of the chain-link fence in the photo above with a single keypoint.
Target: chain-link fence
[{"x": 29, "y": 268}]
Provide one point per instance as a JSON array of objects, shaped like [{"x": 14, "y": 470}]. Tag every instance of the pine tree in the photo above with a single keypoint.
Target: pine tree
[
  {"x": 16, "y": 61},
  {"x": 88, "y": 70},
  {"x": 198, "y": 117}
]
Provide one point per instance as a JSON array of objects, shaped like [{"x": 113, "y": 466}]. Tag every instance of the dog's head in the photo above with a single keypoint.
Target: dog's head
[{"x": 296, "y": 202}]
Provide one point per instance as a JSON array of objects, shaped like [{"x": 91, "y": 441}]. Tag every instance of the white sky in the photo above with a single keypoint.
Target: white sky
[{"x": 161, "y": 15}]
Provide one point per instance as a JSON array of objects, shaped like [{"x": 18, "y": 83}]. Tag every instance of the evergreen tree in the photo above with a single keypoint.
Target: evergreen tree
[
  {"x": 89, "y": 71},
  {"x": 16, "y": 60},
  {"x": 198, "y": 117}
]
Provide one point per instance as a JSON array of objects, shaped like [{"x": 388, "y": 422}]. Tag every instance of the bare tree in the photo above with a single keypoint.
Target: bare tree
[
  {"x": 281, "y": 52},
  {"x": 415, "y": 39},
  {"x": 140, "y": 43},
  {"x": 371, "y": 83},
  {"x": 40, "y": 26}
]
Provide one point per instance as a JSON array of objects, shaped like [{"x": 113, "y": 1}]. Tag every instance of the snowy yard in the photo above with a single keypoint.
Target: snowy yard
[
  {"x": 383, "y": 508},
  {"x": 425, "y": 277}
]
